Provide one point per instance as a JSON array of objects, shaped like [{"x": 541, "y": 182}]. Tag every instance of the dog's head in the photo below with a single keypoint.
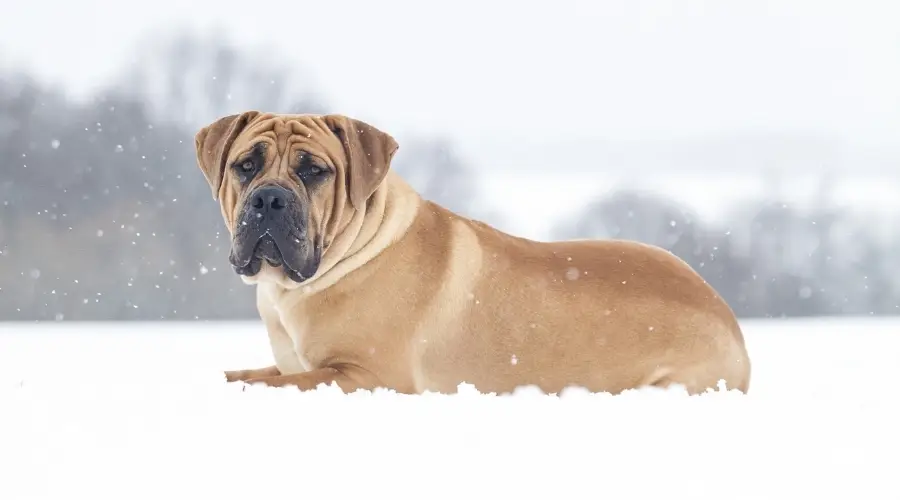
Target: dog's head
[{"x": 287, "y": 184}]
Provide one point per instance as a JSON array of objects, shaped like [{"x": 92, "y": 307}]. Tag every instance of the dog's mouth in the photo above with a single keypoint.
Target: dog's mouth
[{"x": 267, "y": 250}]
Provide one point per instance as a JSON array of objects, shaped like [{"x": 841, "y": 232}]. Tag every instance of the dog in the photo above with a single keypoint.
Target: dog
[{"x": 363, "y": 283}]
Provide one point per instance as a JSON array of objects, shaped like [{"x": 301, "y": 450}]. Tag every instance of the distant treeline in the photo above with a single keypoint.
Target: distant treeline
[{"x": 104, "y": 215}]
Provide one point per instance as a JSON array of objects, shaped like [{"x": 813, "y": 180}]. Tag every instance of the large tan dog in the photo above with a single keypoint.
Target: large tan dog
[{"x": 362, "y": 282}]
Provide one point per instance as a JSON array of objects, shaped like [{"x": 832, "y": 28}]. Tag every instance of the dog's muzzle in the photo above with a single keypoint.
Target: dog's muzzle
[{"x": 272, "y": 228}]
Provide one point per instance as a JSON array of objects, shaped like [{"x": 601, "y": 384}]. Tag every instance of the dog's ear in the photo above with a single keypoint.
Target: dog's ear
[
  {"x": 214, "y": 141},
  {"x": 368, "y": 151}
]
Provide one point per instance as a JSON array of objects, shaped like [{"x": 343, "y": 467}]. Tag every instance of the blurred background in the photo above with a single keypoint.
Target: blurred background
[{"x": 756, "y": 140}]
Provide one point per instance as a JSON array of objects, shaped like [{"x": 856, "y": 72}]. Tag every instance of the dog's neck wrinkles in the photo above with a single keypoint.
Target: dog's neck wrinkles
[{"x": 388, "y": 215}]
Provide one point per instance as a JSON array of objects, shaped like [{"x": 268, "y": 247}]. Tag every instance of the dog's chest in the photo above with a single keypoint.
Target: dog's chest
[
  {"x": 303, "y": 343},
  {"x": 289, "y": 346}
]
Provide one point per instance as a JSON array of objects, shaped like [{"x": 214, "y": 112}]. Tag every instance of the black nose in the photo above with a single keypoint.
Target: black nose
[{"x": 269, "y": 199}]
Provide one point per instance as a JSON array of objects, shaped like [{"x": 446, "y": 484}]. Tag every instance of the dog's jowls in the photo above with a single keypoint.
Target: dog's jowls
[{"x": 363, "y": 283}]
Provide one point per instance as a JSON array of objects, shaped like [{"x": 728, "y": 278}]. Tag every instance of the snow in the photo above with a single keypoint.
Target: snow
[{"x": 141, "y": 411}]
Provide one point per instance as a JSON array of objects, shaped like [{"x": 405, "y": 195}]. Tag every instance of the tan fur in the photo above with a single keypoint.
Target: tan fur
[{"x": 413, "y": 297}]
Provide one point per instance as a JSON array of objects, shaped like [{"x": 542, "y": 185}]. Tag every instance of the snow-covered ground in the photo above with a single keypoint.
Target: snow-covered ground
[{"x": 131, "y": 411}]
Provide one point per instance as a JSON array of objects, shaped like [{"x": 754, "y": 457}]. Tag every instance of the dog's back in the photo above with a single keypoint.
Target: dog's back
[{"x": 604, "y": 314}]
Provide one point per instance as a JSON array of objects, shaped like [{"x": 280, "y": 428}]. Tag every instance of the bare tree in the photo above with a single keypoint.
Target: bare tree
[{"x": 194, "y": 79}]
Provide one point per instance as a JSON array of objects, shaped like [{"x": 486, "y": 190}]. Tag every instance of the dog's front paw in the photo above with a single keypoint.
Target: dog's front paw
[
  {"x": 244, "y": 375},
  {"x": 235, "y": 376}
]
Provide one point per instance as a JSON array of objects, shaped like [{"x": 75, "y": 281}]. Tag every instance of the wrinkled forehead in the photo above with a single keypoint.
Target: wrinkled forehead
[{"x": 287, "y": 134}]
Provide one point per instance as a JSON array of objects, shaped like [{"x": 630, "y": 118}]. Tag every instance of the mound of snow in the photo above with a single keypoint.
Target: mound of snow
[
  {"x": 212, "y": 440},
  {"x": 133, "y": 411}
]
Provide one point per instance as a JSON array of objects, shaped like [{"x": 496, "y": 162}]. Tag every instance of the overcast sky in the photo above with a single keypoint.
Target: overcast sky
[{"x": 501, "y": 75}]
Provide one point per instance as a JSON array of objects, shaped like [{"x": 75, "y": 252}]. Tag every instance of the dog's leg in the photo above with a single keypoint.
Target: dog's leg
[
  {"x": 309, "y": 380},
  {"x": 243, "y": 375}
]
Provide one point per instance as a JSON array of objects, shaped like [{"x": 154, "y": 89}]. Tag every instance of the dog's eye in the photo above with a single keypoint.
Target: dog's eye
[
  {"x": 310, "y": 171},
  {"x": 245, "y": 169}
]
